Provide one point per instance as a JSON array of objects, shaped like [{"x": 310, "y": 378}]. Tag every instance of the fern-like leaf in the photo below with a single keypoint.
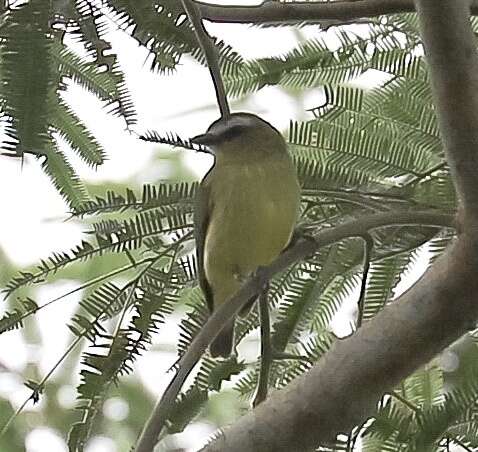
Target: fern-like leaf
[
  {"x": 63, "y": 176},
  {"x": 27, "y": 71}
]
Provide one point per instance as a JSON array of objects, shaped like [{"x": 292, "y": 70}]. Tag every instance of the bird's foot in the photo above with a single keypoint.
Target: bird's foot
[{"x": 303, "y": 232}]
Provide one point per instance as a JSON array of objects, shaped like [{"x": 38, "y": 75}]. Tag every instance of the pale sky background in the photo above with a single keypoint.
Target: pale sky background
[{"x": 183, "y": 102}]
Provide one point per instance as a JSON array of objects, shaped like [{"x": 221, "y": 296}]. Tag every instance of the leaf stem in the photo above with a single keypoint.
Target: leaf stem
[
  {"x": 368, "y": 247},
  {"x": 89, "y": 283}
]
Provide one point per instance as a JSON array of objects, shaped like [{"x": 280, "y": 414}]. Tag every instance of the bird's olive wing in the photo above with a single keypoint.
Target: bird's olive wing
[{"x": 202, "y": 215}]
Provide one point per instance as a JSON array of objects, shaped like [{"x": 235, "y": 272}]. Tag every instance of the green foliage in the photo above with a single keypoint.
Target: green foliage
[
  {"x": 314, "y": 63},
  {"x": 421, "y": 415},
  {"x": 35, "y": 65},
  {"x": 100, "y": 371},
  {"x": 172, "y": 140},
  {"x": 163, "y": 29},
  {"x": 14, "y": 319},
  {"x": 383, "y": 277},
  {"x": 70, "y": 128},
  {"x": 210, "y": 377},
  {"x": 27, "y": 72},
  {"x": 153, "y": 196},
  {"x": 63, "y": 176}
]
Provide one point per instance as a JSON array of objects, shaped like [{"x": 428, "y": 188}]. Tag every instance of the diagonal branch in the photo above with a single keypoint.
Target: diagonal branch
[
  {"x": 253, "y": 286},
  {"x": 266, "y": 349},
  {"x": 270, "y": 12},
  {"x": 210, "y": 52},
  {"x": 343, "y": 389}
]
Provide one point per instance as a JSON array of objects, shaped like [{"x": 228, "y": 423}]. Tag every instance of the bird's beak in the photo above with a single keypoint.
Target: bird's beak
[{"x": 205, "y": 139}]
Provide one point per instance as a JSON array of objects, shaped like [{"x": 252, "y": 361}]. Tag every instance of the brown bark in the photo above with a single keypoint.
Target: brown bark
[{"x": 293, "y": 12}]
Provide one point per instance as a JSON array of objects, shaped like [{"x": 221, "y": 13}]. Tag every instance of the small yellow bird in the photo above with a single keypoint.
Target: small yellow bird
[{"x": 246, "y": 209}]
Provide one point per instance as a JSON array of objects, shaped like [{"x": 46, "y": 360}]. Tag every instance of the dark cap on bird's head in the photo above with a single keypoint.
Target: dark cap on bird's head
[{"x": 238, "y": 128}]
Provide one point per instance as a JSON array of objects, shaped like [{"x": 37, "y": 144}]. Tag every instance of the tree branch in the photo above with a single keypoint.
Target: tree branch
[
  {"x": 454, "y": 78},
  {"x": 266, "y": 349},
  {"x": 270, "y": 12},
  {"x": 344, "y": 387},
  {"x": 301, "y": 249},
  {"x": 210, "y": 53}
]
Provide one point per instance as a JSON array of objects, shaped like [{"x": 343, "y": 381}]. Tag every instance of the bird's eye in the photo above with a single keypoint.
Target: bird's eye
[{"x": 233, "y": 132}]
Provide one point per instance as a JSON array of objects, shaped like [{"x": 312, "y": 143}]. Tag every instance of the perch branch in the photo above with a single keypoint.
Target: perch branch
[
  {"x": 301, "y": 249},
  {"x": 343, "y": 389}
]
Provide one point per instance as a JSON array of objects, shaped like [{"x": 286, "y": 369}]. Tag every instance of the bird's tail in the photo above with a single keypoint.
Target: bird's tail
[{"x": 222, "y": 345}]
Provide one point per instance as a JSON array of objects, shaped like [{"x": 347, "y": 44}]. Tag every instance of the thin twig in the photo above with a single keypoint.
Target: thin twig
[
  {"x": 406, "y": 402},
  {"x": 368, "y": 247},
  {"x": 210, "y": 52},
  {"x": 14, "y": 416},
  {"x": 460, "y": 443},
  {"x": 87, "y": 284},
  {"x": 97, "y": 280},
  {"x": 266, "y": 350}
]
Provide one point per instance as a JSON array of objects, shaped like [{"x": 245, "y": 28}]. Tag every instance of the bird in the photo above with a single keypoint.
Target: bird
[{"x": 245, "y": 212}]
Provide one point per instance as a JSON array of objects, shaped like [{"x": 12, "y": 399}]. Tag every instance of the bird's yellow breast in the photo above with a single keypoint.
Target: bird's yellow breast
[{"x": 253, "y": 214}]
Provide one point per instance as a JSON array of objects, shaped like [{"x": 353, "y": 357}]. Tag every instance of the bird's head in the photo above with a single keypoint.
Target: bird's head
[{"x": 241, "y": 132}]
